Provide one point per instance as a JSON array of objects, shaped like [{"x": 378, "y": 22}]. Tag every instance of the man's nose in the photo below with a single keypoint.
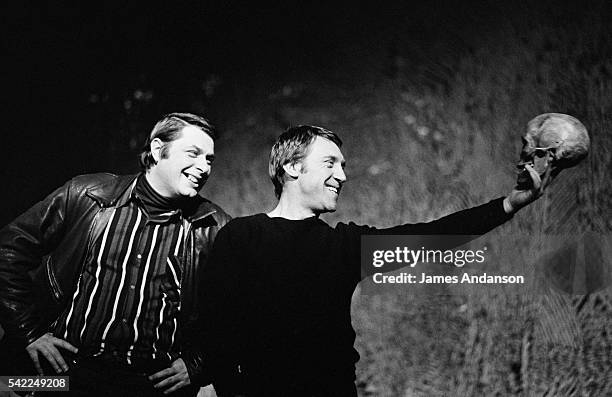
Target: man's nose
[
  {"x": 203, "y": 165},
  {"x": 339, "y": 174}
]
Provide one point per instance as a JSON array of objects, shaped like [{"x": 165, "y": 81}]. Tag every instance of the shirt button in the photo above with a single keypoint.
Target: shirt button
[
  {"x": 139, "y": 256},
  {"x": 124, "y": 320},
  {"x": 132, "y": 286}
]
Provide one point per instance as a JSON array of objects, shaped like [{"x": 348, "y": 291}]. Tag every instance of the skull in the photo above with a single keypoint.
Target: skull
[{"x": 553, "y": 141}]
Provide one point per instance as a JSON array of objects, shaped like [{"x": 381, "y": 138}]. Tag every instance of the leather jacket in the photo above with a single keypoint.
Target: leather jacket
[{"x": 42, "y": 253}]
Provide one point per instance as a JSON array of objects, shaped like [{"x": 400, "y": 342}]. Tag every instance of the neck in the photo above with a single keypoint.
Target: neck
[
  {"x": 159, "y": 187},
  {"x": 289, "y": 208}
]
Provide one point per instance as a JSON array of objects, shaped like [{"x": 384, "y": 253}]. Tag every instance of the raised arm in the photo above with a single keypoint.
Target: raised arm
[{"x": 471, "y": 223}]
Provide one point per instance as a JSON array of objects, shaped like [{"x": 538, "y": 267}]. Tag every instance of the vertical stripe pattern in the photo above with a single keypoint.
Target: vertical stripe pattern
[{"x": 127, "y": 298}]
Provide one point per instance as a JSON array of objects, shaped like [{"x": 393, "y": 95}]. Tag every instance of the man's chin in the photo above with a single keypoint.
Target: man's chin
[
  {"x": 190, "y": 193},
  {"x": 330, "y": 208}
]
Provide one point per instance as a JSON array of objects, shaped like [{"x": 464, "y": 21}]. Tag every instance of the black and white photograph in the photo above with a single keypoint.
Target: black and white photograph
[{"x": 217, "y": 199}]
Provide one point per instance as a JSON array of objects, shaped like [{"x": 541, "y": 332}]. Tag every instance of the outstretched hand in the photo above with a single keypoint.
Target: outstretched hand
[
  {"x": 517, "y": 199},
  {"x": 47, "y": 346},
  {"x": 172, "y": 378}
]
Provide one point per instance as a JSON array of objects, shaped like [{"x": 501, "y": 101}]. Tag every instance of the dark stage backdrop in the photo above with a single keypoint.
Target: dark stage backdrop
[{"x": 430, "y": 98}]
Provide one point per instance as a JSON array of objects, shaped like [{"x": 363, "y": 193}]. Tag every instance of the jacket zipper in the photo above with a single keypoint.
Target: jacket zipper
[
  {"x": 89, "y": 242},
  {"x": 89, "y": 239},
  {"x": 186, "y": 239},
  {"x": 57, "y": 293},
  {"x": 55, "y": 288}
]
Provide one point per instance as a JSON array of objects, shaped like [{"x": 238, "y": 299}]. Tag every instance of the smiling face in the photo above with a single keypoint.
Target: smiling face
[
  {"x": 320, "y": 178},
  {"x": 182, "y": 165}
]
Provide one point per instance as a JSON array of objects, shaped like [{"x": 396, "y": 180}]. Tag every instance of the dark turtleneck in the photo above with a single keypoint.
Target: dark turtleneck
[{"x": 154, "y": 203}]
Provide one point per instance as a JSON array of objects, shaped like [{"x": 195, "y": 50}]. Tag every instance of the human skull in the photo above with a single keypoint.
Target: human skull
[{"x": 553, "y": 141}]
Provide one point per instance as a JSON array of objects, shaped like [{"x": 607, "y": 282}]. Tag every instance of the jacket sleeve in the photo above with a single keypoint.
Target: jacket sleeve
[
  {"x": 194, "y": 361},
  {"x": 23, "y": 244}
]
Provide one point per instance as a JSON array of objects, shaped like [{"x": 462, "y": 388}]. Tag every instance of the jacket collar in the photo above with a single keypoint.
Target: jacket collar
[{"x": 109, "y": 193}]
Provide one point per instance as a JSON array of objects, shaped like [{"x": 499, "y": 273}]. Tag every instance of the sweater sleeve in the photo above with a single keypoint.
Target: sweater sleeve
[
  {"x": 473, "y": 221},
  {"x": 220, "y": 311},
  {"x": 470, "y": 223}
]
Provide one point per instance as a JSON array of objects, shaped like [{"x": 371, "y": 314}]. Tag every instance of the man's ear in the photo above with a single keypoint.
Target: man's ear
[
  {"x": 156, "y": 146},
  {"x": 293, "y": 169}
]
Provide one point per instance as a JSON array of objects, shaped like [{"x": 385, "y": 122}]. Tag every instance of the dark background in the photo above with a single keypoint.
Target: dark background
[
  {"x": 430, "y": 98},
  {"x": 76, "y": 66},
  {"x": 74, "y": 104}
]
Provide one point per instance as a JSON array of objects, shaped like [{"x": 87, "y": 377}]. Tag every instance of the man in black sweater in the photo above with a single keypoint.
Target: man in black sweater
[{"x": 278, "y": 287}]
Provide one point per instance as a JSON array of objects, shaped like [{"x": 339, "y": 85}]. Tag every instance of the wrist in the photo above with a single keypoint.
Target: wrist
[{"x": 508, "y": 207}]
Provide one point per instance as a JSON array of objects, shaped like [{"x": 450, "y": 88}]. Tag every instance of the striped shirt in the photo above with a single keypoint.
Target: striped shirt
[{"x": 127, "y": 297}]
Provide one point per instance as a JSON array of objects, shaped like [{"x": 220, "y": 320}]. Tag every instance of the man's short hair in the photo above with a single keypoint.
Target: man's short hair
[
  {"x": 168, "y": 129},
  {"x": 291, "y": 147}
]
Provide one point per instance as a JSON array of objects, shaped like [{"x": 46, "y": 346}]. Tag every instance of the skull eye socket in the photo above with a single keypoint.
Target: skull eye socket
[{"x": 540, "y": 152}]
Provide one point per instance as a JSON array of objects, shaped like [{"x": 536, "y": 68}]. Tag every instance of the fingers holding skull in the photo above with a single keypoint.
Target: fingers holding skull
[
  {"x": 519, "y": 198},
  {"x": 536, "y": 180}
]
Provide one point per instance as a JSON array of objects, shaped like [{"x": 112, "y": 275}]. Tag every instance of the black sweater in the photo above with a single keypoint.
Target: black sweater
[{"x": 277, "y": 295}]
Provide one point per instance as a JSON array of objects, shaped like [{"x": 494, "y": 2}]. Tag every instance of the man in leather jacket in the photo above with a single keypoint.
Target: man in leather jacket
[{"x": 99, "y": 280}]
